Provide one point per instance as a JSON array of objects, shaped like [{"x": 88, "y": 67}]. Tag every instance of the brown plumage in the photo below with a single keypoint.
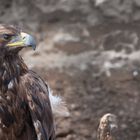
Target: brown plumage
[
  {"x": 108, "y": 127},
  {"x": 25, "y": 108}
]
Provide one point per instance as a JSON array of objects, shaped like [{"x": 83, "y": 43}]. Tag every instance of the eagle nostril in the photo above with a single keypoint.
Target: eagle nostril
[{"x": 24, "y": 37}]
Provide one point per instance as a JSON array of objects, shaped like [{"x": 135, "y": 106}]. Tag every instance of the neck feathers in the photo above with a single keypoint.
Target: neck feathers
[{"x": 11, "y": 68}]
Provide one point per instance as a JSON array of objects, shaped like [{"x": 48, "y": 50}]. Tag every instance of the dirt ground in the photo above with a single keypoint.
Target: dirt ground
[{"x": 96, "y": 70}]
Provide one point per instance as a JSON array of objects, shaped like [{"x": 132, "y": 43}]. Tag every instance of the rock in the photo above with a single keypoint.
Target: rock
[
  {"x": 120, "y": 10},
  {"x": 91, "y": 12},
  {"x": 99, "y": 2},
  {"x": 136, "y": 16},
  {"x": 137, "y": 3}
]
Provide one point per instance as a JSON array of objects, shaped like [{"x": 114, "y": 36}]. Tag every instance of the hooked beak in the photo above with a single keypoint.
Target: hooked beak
[{"x": 22, "y": 40}]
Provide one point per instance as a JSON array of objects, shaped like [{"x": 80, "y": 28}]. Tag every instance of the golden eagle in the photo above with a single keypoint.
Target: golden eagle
[{"x": 25, "y": 106}]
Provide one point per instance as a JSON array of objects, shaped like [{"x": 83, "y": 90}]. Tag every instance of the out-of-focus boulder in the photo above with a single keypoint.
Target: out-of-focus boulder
[{"x": 34, "y": 13}]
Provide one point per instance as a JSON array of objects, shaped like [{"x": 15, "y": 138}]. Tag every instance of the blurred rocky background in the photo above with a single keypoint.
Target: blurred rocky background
[
  {"x": 35, "y": 13},
  {"x": 89, "y": 52}
]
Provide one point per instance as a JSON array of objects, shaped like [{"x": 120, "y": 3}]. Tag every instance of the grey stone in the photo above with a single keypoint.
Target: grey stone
[{"x": 137, "y": 2}]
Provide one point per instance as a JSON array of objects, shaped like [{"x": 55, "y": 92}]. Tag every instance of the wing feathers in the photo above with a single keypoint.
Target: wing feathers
[{"x": 39, "y": 107}]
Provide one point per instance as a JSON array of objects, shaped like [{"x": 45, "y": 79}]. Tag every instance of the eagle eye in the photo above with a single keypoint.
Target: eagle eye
[{"x": 7, "y": 36}]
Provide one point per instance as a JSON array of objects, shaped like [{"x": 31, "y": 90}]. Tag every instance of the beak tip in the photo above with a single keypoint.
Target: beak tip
[
  {"x": 30, "y": 41},
  {"x": 34, "y": 47}
]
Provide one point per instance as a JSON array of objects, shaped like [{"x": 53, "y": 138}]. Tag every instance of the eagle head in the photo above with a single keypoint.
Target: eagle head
[{"x": 12, "y": 38}]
